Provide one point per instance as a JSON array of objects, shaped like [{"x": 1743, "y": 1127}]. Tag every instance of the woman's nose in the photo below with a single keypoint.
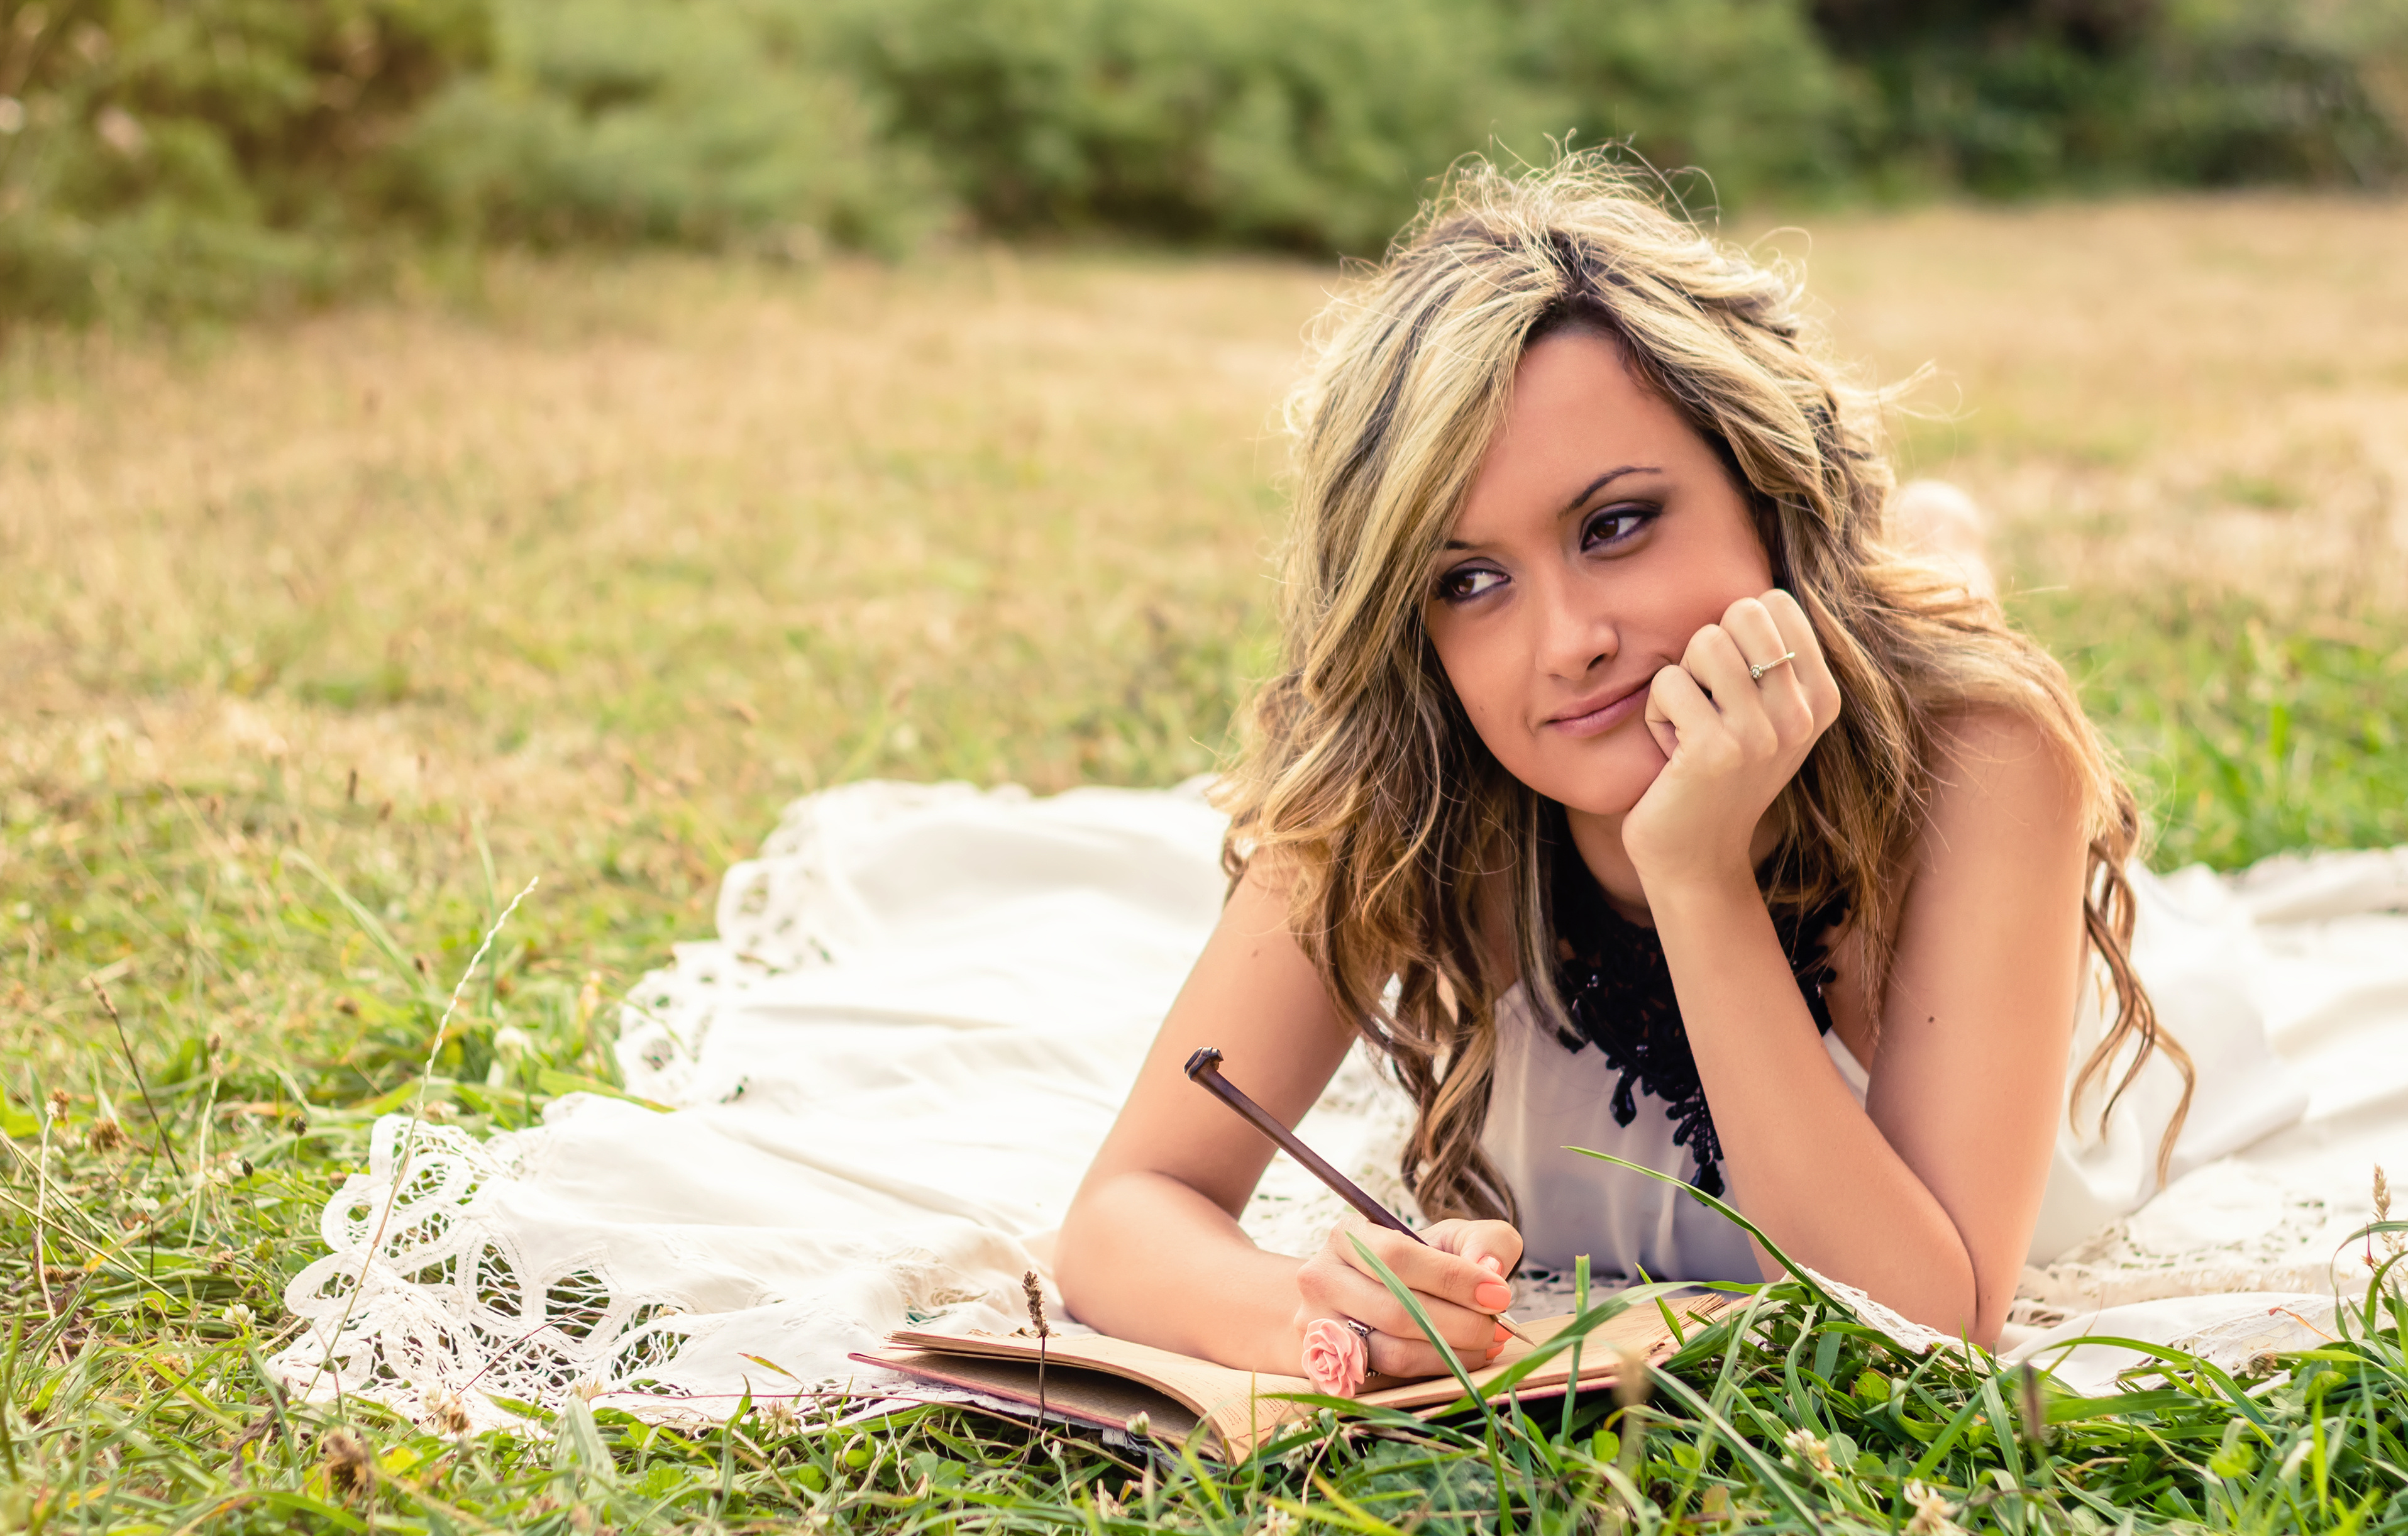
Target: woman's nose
[{"x": 1573, "y": 636}]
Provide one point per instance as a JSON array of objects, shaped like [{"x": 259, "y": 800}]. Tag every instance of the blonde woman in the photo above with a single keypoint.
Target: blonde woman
[{"x": 1633, "y": 781}]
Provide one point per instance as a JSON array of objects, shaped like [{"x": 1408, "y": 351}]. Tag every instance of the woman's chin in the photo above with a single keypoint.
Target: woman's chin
[{"x": 1601, "y": 783}]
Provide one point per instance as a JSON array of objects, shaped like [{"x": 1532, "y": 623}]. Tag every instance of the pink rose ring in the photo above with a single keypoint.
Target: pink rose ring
[{"x": 1337, "y": 1354}]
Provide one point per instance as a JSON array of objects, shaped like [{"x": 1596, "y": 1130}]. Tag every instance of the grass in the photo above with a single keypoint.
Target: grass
[{"x": 586, "y": 574}]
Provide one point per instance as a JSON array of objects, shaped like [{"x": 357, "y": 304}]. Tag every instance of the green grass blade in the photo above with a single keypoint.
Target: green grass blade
[
  {"x": 1796, "y": 1272},
  {"x": 1412, "y": 1303}
]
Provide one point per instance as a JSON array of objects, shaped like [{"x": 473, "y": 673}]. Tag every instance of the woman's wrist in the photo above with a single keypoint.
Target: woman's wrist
[{"x": 1705, "y": 886}]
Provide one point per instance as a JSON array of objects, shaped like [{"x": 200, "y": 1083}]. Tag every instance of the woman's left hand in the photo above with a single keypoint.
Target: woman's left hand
[{"x": 1734, "y": 741}]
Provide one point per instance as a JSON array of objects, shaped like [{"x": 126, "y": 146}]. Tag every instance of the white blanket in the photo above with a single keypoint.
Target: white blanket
[{"x": 925, "y": 1007}]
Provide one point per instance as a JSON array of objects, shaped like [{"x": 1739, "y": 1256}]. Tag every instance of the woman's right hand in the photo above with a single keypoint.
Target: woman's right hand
[{"x": 1457, "y": 1275}]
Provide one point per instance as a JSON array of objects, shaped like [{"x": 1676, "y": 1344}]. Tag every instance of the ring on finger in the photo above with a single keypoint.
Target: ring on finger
[
  {"x": 1755, "y": 669},
  {"x": 1362, "y": 1331}
]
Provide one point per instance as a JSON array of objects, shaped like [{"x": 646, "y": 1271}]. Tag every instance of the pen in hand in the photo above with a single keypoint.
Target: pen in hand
[{"x": 1204, "y": 1069}]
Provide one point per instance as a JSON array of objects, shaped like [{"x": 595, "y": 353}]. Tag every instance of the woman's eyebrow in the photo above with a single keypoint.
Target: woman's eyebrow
[
  {"x": 1593, "y": 487},
  {"x": 1574, "y": 505}
]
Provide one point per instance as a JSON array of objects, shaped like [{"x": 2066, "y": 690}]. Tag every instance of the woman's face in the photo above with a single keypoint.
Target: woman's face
[{"x": 1600, "y": 534}]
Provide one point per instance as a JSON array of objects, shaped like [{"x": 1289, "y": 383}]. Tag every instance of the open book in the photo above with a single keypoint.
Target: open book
[{"x": 1107, "y": 1381}]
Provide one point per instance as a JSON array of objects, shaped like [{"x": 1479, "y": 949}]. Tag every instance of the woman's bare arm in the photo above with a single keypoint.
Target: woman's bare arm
[
  {"x": 1152, "y": 1250},
  {"x": 1927, "y": 1195}
]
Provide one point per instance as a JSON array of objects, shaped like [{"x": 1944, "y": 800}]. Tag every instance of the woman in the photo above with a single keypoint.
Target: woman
[{"x": 1627, "y": 784}]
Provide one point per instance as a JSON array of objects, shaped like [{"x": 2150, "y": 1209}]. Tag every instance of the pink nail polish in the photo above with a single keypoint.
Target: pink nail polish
[{"x": 1493, "y": 1296}]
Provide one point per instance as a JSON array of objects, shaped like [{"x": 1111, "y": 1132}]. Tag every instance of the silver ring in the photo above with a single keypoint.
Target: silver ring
[
  {"x": 1362, "y": 1331},
  {"x": 1755, "y": 671}
]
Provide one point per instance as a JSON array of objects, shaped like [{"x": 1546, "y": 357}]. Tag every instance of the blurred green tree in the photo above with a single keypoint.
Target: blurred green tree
[
  {"x": 171, "y": 157},
  {"x": 2013, "y": 96},
  {"x": 1742, "y": 90},
  {"x": 1308, "y": 123},
  {"x": 722, "y": 123},
  {"x": 190, "y": 155}
]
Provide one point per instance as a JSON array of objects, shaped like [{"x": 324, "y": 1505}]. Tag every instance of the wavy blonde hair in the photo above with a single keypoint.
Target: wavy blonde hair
[{"x": 1362, "y": 778}]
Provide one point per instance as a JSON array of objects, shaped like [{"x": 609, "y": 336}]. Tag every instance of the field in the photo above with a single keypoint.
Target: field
[{"x": 582, "y": 571}]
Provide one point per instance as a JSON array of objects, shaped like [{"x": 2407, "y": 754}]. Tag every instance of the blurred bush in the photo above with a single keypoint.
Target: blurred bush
[
  {"x": 2013, "y": 96},
  {"x": 720, "y": 123},
  {"x": 1742, "y": 90},
  {"x": 1318, "y": 123},
  {"x": 1299, "y": 122},
  {"x": 193, "y": 156},
  {"x": 197, "y": 154}
]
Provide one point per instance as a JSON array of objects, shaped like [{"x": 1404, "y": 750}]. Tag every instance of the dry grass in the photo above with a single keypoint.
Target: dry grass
[
  {"x": 656, "y": 546},
  {"x": 2205, "y": 391},
  {"x": 670, "y": 524},
  {"x": 735, "y": 534}
]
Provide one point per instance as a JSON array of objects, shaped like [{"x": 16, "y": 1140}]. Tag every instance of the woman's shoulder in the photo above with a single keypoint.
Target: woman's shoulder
[
  {"x": 1999, "y": 776},
  {"x": 1994, "y": 747}
]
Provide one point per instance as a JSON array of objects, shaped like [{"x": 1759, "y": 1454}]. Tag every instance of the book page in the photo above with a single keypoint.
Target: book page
[
  {"x": 1098, "y": 1398},
  {"x": 1243, "y": 1407},
  {"x": 1639, "y": 1331}
]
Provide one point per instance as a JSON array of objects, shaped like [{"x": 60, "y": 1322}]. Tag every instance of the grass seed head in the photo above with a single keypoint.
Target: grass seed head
[
  {"x": 447, "y": 1413},
  {"x": 778, "y": 1418},
  {"x": 1035, "y": 1294},
  {"x": 1932, "y": 1513},
  {"x": 1811, "y": 1451},
  {"x": 105, "y": 1135},
  {"x": 1629, "y": 1379},
  {"x": 345, "y": 1458},
  {"x": 58, "y": 1103},
  {"x": 2034, "y": 1404}
]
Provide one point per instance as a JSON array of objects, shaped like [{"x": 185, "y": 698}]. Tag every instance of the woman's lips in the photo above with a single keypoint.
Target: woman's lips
[{"x": 1604, "y": 717}]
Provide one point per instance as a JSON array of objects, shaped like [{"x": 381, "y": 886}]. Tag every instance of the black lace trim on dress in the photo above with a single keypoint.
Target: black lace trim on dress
[{"x": 1618, "y": 990}]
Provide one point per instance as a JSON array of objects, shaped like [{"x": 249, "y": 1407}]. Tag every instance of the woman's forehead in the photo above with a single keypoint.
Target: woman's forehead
[{"x": 1578, "y": 420}]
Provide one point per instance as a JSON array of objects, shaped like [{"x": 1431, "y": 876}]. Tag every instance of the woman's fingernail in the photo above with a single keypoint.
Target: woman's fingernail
[
  {"x": 1491, "y": 1263},
  {"x": 1493, "y": 1296},
  {"x": 1495, "y": 1350}
]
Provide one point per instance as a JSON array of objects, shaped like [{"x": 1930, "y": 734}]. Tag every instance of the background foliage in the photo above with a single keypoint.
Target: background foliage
[{"x": 210, "y": 155}]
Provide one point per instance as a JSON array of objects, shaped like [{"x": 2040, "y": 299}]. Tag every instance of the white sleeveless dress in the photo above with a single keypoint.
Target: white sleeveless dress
[{"x": 1547, "y": 1099}]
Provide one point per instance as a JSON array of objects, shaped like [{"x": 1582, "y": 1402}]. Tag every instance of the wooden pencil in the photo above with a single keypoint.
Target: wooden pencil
[{"x": 1204, "y": 1069}]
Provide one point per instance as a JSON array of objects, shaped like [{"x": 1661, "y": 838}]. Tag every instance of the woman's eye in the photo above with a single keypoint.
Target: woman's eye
[
  {"x": 1458, "y": 586},
  {"x": 1613, "y": 526}
]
